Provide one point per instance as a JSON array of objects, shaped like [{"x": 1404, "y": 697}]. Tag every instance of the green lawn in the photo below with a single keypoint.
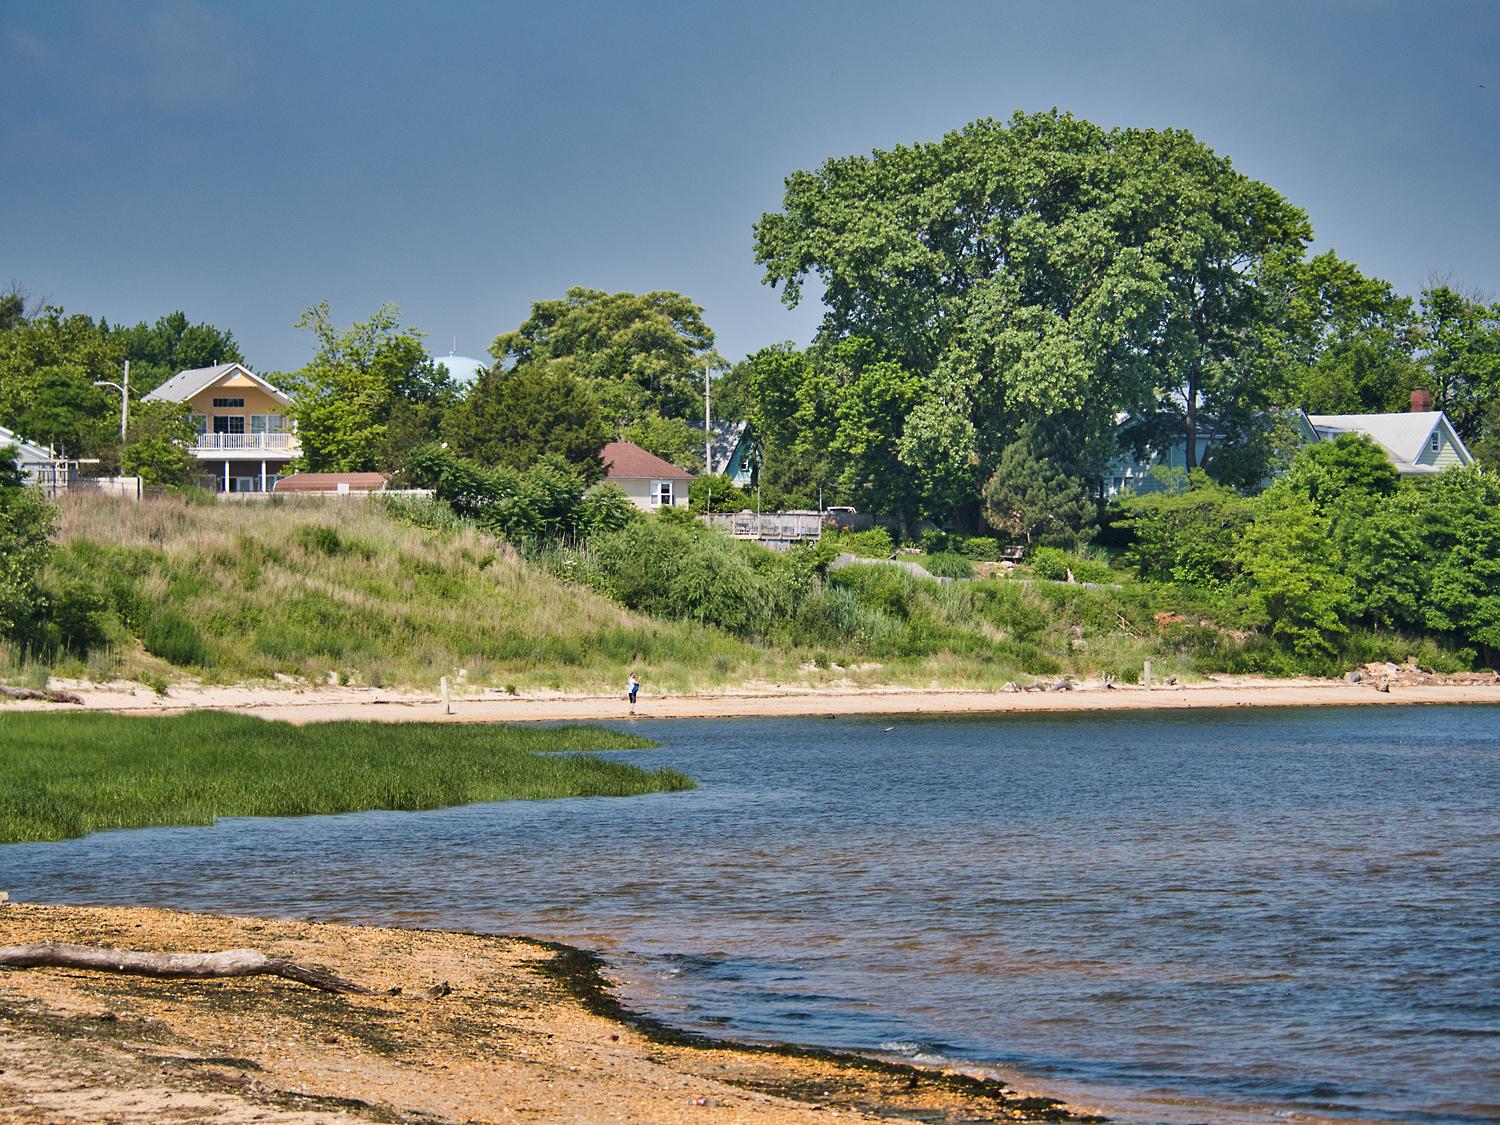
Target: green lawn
[{"x": 68, "y": 775}]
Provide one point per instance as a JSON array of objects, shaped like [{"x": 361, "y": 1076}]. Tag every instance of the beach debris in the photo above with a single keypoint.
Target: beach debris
[
  {"x": 1010, "y": 685},
  {"x": 436, "y": 992},
  {"x": 49, "y": 695},
  {"x": 230, "y": 963},
  {"x": 1062, "y": 685},
  {"x": 1384, "y": 684},
  {"x": 1170, "y": 681},
  {"x": 4, "y": 898},
  {"x": 887, "y": 730},
  {"x": 1354, "y": 677}
]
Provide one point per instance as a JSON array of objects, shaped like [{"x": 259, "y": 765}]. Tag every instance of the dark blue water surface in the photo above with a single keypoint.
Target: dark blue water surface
[{"x": 1217, "y": 916}]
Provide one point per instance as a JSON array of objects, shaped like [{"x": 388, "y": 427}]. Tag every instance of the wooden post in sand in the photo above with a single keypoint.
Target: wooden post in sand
[
  {"x": 1146, "y": 676},
  {"x": 443, "y": 689}
]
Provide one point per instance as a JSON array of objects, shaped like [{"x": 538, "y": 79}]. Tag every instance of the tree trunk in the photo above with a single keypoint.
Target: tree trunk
[
  {"x": 48, "y": 694},
  {"x": 1192, "y": 417},
  {"x": 231, "y": 963}
]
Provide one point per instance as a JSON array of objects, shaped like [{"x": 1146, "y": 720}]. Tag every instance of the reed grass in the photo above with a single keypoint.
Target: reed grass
[{"x": 67, "y": 775}]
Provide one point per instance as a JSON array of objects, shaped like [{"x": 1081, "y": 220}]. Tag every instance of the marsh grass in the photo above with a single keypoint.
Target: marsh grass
[{"x": 69, "y": 775}]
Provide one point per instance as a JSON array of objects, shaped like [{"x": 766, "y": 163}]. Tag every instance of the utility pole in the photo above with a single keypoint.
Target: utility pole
[
  {"x": 124, "y": 400},
  {"x": 708, "y": 425}
]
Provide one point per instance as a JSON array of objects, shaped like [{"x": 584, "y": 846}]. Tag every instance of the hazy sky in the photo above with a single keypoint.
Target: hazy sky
[{"x": 242, "y": 161}]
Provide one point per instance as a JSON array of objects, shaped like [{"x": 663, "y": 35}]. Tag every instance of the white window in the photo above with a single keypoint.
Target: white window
[
  {"x": 1437, "y": 441},
  {"x": 661, "y": 494},
  {"x": 267, "y": 424}
]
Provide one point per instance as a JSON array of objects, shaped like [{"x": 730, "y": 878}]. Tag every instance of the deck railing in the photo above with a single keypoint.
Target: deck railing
[{"x": 218, "y": 443}]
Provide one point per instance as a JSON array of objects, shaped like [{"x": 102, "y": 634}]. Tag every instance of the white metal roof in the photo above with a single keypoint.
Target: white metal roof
[
  {"x": 1403, "y": 436},
  {"x": 185, "y": 384},
  {"x": 27, "y": 450}
]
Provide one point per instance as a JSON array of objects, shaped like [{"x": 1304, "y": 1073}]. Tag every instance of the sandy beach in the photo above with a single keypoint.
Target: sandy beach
[
  {"x": 321, "y": 704},
  {"x": 525, "y": 1032}
]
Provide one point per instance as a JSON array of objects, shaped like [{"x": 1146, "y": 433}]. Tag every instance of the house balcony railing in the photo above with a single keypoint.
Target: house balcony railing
[{"x": 235, "y": 443}]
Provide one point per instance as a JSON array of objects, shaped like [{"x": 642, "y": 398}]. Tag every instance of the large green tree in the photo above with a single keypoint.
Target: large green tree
[
  {"x": 1350, "y": 340},
  {"x": 170, "y": 344},
  {"x": 1032, "y": 499},
  {"x": 48, "y": 366},
  {"x": 370, "y": 394},
  {"x": 517, "y": 417},
  {"x": 1043, "y": 268},
  {"x": 1459, "y": 341},
  {"x": 638, "y": 352}
]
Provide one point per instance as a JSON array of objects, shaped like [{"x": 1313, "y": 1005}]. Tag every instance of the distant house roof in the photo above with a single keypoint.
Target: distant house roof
[
  {"x": 624, "y": 460},
  {"x": 331, "y": 482},
  {"x": 27, "y": 451},
  {"x": 185, "y": 384},
  {"x": 1402, "y": 436}
]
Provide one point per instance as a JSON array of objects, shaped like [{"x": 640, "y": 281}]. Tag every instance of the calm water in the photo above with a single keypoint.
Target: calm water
[{"x": 1187, "y": 918}]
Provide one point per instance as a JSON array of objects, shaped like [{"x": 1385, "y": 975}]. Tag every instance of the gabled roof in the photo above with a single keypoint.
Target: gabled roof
[
  {"x": 28, "y": 450},
  {"x": 626, "y": 460},
  {"x": 185, "y": 384},
  {"x": 1402, "y": 436}
]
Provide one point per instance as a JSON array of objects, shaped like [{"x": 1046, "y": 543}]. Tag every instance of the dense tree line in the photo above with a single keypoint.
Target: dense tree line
[
  {"x": 1048, "y": 274},
  {"x": 1338, "y": 544}
]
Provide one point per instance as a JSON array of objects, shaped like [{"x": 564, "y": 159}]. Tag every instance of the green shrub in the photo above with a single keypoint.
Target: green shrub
[
  {"x": 873, "y": 544},
  {"x": 980, "y": 548},
  {"x": 948, "y": 564},
  {"x": 932, "y": 541},
  {"x": 175, "y": 639},
  {"x": 77, "y": 614},
  {"x": 1054, "y": 564}
]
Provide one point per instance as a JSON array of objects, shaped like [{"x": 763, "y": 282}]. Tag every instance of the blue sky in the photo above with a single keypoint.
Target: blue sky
[{"x": 461, "y": 159}]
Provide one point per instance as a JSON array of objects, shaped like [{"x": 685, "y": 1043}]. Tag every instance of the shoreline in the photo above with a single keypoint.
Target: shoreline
[
  {"x": 307, "y": 705},
  {"x": 530, "y": 1031}
]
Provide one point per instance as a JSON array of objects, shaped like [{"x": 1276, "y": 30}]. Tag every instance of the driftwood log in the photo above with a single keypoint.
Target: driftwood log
[
  {"x": 48, "y": 694},
  {"x": 231, "y": 963}
]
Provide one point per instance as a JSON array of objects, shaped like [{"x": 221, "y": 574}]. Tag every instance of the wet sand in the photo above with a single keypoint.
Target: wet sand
[
  {"x": 528, "y": 1032},
  {"x": 307, "y": 705}
]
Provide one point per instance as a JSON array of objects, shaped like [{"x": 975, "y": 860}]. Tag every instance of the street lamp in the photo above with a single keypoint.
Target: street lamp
[{"x": 124, "y": 399}]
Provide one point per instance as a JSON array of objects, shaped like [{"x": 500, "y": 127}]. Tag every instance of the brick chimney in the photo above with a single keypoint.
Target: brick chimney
[{"x": 1421, "y": 401}]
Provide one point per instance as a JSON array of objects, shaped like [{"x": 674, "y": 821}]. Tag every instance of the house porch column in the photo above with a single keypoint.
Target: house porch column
[
  {"x": 226, "y": 475},
  {"x": 263, "y": 474}
]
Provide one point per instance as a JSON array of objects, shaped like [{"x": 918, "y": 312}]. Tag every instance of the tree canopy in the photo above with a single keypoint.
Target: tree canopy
[
  {"x": 1044, "y": 268},
  {"x": 637, "y": 352},
  {"x": 517, "y": 417},
  {"x": 369, "y": 395}
]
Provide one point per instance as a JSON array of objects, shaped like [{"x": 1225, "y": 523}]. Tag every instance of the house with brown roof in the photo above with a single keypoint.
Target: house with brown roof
[{"x": 650, "y": 482}]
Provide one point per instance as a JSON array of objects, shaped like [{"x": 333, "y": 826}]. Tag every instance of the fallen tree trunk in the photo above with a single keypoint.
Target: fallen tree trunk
[
  {"x": 48, "y": 694},
  {"x": 231, "y": 963}
]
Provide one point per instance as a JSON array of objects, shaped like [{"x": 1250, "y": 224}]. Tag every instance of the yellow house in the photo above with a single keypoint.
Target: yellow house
[{"x": 245, "y": 436}]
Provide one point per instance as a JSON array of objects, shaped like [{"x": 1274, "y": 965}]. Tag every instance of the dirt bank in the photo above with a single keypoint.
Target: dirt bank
[{"x": 529, "y": 1032}]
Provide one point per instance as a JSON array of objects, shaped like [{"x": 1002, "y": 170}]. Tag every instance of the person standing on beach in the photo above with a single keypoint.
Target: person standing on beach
[{"x": 632, "y": 688}]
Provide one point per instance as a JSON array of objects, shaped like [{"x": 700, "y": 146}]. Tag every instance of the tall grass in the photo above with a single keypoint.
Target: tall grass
[
  {"x": 321, "y": 589},
  {"x": 68, "y": 775}
]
